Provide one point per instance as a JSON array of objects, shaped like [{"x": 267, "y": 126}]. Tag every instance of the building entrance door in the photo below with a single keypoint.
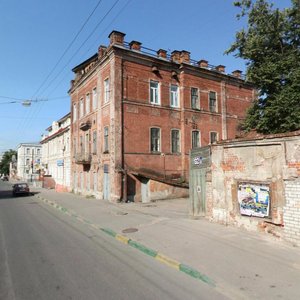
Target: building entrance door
[
  {"x": 200, "y": 161},
  {"x": 106, "y": 182},
  {"x": 145, "y": 190}
]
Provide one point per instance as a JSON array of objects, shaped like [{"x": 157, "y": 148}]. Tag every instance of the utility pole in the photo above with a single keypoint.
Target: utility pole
[{"x": 32, "y": 163}]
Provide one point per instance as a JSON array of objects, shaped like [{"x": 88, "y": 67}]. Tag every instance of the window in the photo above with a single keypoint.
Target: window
[
  {"x": 94, "y": 98},
  {"x": 38, "y": 151},
  {"x": 175, "y": 137},
  {"x": 27, "y": 161},
  {"x": 67, "y": 144},
  {"x": 212, "y": 102},
  {"x": 74, "y": 146},
  {"x": 81, "y": 145},
  {"x": 87, "y": 103},
  {"x": 155, "y": 139},
  {"x": 213, "y": 137},
  {"x": 74, "y": 112},
  {"x": 154, "y": 92},
  {"x": 106, "y": 146},
  {"x": 195, "y": 139},
  {"x": 174, "y": 96},
  {"x": 28, "y": 151},
  {"x": 95, "y": 142},
  {"x": 87, "y": 142},
  {"x": 81, "y": 109},
  {"x": 106, "y": 90},
  {"x": 195, "y": 103}
]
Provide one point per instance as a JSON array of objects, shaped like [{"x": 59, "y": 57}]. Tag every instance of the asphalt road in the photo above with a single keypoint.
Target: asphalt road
[{"x": 47, "y": 255}]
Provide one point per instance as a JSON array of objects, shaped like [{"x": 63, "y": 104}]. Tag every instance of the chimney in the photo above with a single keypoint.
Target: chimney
[
  {"x": 135, "y": 45},
  {"x": 116, "y": 37},
  {"x": 185, "y": 57},
  {"x": 203, "y": 63},
  {"x": 101, "y": 51},
  {"x": 162, "y": 53},
  {"x": 175, "y": 56},
  {"x": 237, "y": 73},
  {"x": 220, "y": 68}
]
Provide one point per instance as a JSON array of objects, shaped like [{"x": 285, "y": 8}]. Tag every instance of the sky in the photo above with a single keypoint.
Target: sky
[{"x": 41, "y": 41}]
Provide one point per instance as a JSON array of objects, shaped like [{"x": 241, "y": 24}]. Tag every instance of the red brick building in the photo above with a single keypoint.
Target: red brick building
[{"x": 136, "y": 113}]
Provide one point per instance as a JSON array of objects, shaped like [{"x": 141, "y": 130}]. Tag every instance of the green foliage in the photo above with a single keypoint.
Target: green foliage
[
  {"x": 271, "y": 47},
  {"x": 6, "y": 159}
]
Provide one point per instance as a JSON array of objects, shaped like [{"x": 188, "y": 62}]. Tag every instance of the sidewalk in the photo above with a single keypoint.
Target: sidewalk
[{"x": 244, "y": 265}]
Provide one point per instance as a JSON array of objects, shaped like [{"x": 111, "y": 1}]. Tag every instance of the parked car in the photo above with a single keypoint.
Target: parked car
[{"x": 20, "y": 189}]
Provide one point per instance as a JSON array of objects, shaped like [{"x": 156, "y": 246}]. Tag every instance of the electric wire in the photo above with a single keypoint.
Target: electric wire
[
  {"x": 39, "y": 107},
  {"x": 96, "y": 42},
  {"x": 31, "y": 114},
  {"x": 83, "y": 43},
  {"x": 69, "y": 46}
]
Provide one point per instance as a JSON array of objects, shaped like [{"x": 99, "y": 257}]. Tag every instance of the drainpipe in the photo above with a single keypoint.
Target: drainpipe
[{"x": 124, "y": 174}]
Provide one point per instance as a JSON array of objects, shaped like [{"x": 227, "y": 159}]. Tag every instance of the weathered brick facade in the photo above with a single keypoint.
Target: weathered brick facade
[{"x": 151, "y": 108}]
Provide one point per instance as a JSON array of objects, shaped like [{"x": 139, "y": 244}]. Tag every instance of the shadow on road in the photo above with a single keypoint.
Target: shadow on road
[{"x": 6, "y": 193}]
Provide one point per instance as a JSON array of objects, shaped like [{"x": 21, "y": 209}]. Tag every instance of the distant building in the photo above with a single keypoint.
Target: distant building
[
  {"x": 56, "y": 154},
  {"x": 137, "y": 113},
  {"x": 29, "y": 161}
]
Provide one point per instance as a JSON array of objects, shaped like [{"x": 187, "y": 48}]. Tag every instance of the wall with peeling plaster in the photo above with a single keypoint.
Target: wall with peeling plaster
[{"x": 271, "y": 160}]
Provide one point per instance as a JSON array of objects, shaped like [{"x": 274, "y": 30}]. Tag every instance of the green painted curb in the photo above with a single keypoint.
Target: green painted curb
[
  {"x": 109, "y": 231},
  {"x": 183, "y": 268},
  {"x": 196, "y": 274},
  {"x": 142, "y": 248}
]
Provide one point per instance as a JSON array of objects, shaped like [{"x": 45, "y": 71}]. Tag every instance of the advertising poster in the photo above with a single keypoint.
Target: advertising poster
[{"x": 254, "y": 199}]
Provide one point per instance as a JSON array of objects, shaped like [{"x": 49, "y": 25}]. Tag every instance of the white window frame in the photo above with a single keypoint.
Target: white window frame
[
  {"x": 179, "y": 141},
  {"x": 210, "y": 137},
  {"x": 106, "y": 139},
  {"x": 154, "y": 92},
  {"x": 197, "y": 106},
  {"x": 81, "y": 108},
  {"x": 94, "y": 141},
  {"x": 199, "y": 139},
  {"x": 174, "y": 95},
  {"x": 74, "y": 112},
  {"x": 216, "y": 102},
  {"x": 106, "y": 84},
  {"x": 158, "y": 150},
  {"x": 87, "y": 103},
  {"x": 95, "y": 100}
]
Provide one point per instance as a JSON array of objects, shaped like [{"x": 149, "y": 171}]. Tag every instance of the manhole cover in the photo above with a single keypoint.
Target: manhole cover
[
  {"x": 130, "y": 230},
  {"x": 121, "y": 213}
]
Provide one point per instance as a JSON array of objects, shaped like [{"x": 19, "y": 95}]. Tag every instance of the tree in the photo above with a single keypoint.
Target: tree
[
  {"x": 271, "y": 47},
  {"x": 6, "y": 159}
]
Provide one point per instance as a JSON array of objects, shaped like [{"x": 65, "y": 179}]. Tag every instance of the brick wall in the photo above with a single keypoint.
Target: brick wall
[{"x": 291, "y": 211}]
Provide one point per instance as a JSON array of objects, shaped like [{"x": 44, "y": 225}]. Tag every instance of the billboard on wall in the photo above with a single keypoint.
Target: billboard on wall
[{"x": 254, "y": 199}]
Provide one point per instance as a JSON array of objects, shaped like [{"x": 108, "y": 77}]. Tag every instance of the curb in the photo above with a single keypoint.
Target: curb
[{"x": 146, "y": 250}]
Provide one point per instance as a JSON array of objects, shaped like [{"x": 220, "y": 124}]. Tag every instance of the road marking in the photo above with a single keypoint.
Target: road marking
[{"x": 123, "y": 239}]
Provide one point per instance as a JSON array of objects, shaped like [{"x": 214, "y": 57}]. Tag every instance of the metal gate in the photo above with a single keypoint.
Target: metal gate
[{"x": 200, "y": 161}]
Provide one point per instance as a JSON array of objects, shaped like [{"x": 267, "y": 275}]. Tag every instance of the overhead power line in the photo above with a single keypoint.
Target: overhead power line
[
  {"x": 38, "y": 109},
  {"x": 31, "y": 114},
  {"x": 83, "y": 43},
  {"x": 69, "y": 46}
]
